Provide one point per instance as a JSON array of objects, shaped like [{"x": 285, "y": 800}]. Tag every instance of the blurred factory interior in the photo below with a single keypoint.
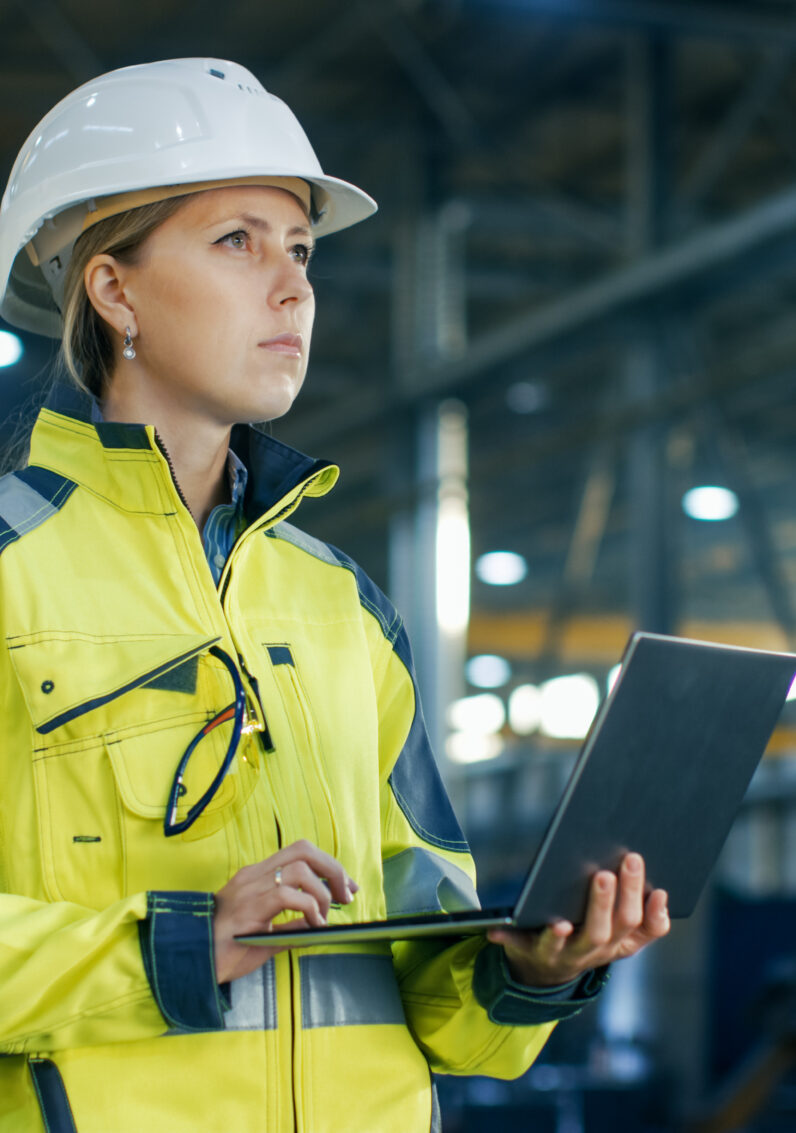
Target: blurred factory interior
[{"x": 558, "y": 371}]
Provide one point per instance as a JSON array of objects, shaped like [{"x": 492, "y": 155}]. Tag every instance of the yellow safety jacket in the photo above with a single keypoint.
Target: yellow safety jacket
[{"x": 110, "y": 1017}]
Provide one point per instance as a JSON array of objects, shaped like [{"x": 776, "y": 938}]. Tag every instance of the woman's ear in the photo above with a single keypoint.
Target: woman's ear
[{"x": 104, "y": 281}]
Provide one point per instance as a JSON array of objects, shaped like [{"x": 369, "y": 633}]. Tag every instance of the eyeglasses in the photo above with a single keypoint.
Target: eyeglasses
[{"x": 243, "y": 723}]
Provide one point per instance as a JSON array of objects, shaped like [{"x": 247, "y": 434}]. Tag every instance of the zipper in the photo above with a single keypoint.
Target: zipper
[
  {"x": 257, "y": 526},
  {"x": 294, "y": 1032},
  {"x": 167, "y": 458}
]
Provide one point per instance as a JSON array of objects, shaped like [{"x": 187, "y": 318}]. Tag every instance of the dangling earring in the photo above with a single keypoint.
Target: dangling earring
[{"x": 129, "y": 349}]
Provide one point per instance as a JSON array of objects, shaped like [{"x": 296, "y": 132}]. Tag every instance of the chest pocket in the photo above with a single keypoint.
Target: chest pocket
[
  {"x": 303, "y": 773},
  {"x": 112, "y": 718}
]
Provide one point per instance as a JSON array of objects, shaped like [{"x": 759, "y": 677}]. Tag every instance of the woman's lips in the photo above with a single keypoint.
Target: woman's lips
[{"x": 284, "y": 344}]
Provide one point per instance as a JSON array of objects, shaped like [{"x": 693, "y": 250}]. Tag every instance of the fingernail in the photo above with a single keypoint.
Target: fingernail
[
  {"x": 352, "y": 885},
  {"x": 633, "y": 863}
]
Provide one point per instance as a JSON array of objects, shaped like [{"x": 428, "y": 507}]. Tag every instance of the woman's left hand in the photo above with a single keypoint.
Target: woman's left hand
[{"x": 620, "y": 920}]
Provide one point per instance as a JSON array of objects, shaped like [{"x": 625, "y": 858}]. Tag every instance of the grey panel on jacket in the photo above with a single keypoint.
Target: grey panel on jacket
[
  {"x": 22, "y": 507},
  {"x": 420, "y": 881},
  {"x": 253, "y": 1001},
  {"x": 349, "y": 990}
]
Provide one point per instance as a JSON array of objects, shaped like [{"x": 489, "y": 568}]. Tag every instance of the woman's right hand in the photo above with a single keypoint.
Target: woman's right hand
[{"x": 299, "y": 877}]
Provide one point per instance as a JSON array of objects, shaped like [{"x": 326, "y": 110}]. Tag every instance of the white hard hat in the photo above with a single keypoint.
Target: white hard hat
[{"x": 177, "y": 123}]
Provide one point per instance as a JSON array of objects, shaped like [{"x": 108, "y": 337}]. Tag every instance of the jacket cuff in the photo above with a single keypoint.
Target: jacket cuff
[
  {"x": 177, "y": 947},
  {"x": 515, "y": 1004}
]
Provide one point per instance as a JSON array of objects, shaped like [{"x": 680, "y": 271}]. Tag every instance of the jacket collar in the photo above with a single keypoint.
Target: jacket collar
[{"x": 113, "y": 459}]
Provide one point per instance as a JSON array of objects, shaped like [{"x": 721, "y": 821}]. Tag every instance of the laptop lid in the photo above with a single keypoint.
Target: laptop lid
[{"x": 663, "y": 771}]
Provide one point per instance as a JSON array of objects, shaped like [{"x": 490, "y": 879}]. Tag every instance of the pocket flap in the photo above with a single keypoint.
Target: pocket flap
[{"x": 64, "y": 675}]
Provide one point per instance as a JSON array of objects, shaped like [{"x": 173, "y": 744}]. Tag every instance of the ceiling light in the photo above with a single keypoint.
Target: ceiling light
[
  {"x": 501, "y": 568},
  {"x": 11, "y": 348},
  {"x": 465, "y": 747},
  {"x": 480, "y": 715},
  {"x": 525, "y": 709},
  {"x": 487, "y": 671},
  {"x": 568, "y": 706},
  {"x": 710, "y": 503}
]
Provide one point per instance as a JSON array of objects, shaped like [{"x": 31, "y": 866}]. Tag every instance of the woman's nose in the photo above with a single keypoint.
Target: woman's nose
[{"x": 292, "y": 285}]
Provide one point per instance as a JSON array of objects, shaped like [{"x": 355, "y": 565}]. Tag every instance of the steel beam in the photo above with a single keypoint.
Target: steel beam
[
  {"x": 731, "y": 454},
  {"x": 736, "y": 126},
  {"x": 651, "y": 561},
  {"x": 661, "y": 273},
  {"x": 439, "y": 95},
  {"x": 703, "y": 20}
]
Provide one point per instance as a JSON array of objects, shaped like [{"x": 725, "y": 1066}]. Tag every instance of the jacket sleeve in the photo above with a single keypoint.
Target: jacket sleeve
[
  {"x": 72, "y": 976},
  {"x": 462, "y": 1005}
]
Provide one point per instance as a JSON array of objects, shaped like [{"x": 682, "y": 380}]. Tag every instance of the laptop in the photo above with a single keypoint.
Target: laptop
[{"x": 663, "y": 771}]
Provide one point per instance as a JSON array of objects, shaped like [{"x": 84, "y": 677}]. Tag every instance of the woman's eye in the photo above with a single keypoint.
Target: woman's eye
[
  {"x": 303, "y": 253},
  {"x": 236, "y": 239}
]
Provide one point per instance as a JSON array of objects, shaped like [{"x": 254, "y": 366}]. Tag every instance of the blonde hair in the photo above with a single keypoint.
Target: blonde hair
[{"x": 87, "y": 347}]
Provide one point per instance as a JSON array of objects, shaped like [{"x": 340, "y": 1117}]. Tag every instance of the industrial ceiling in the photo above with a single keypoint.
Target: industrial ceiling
[{"x": 587, "y": 235}]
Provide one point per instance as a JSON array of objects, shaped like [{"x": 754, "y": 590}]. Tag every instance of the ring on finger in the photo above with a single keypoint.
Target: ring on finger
[{"x": 278, "y": 877}]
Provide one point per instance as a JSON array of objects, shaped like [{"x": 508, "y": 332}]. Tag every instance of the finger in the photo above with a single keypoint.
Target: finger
[
  {"x": 288, "y": 926},
  {"x": 300, "y": 875},
  {"x": 598, "y": 923},
  {"x": 657, "y": 921},
  {"x": 299, "y": 901},
  {"x": 546, "y": 945},
  {"x": 630, "y": 900},
  {"x": 341, "y": 886}
]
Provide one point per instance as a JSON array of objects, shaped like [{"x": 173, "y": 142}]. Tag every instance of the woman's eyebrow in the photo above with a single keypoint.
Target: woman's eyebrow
[{"x": 262, "y": 225}]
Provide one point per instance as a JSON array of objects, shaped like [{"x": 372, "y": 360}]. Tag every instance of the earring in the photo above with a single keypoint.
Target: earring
[{"x": 129, "y": 349}]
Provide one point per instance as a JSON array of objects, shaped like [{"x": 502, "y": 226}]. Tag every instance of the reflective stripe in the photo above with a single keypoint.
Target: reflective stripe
[
  {"x": 28, "y": 498},
  {"x": 436, "y": 1112},
  {"x": 253, "y": 1001},
  {"x": 21, "y": 507},
  {"x": 420, "y": 881},
  {"x": 349, "y": 990},
  {"x": 54, "y": 1104}
]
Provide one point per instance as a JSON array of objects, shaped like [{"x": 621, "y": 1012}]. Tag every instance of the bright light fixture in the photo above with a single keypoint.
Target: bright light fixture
[
  {"x": 480, "y": 715},
  {"x": 501, "y": 568},
  {"x": 467, "y": 747},
  {"x": 487, "y": 671},
  {"x": 568, "y": 706},
  {"x": 453, "y": 566},
  {"x": 525, "y": 709},
  {"x": 710, "y": 503},
  {"x": 11, "y": 348}
]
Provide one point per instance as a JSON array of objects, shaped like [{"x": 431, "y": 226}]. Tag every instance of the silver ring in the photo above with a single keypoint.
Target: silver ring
[{"x": 278, "y": 878}]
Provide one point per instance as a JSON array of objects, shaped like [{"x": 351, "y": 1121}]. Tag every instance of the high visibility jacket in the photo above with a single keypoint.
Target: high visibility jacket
[{"x": 110, "y": 1017}]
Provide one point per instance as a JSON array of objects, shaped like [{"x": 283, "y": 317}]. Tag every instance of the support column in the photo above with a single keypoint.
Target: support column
[
  {"x": 651, "y": 560},
  {"x": 430, "y": 537}
]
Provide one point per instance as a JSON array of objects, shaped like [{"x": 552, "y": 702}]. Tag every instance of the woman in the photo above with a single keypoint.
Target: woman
[{"x": 211, "y": 718}]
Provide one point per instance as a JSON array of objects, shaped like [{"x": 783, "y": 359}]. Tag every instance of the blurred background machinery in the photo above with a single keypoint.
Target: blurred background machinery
[{"x": 558, "y": 370}]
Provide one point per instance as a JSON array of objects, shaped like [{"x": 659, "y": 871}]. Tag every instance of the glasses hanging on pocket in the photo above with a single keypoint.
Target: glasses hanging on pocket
[{"x": 242, "y": 724}]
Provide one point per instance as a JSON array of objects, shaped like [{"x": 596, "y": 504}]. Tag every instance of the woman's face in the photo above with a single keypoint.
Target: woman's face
[{"x": 223, "y": 309}]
